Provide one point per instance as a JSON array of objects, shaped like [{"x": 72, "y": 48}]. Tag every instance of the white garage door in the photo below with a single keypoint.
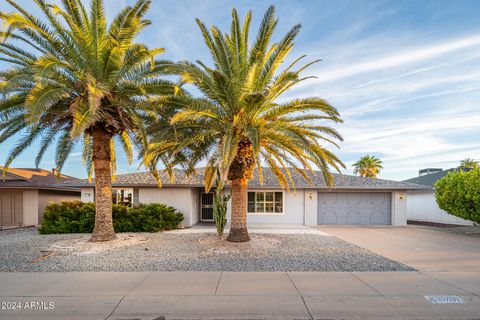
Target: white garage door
[{"x": 361, "y": 208}]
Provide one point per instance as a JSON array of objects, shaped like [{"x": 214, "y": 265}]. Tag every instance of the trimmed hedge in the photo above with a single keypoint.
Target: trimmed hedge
[
  {"x": 79, "y": 217},
  {"x": 458, "y": 193}
]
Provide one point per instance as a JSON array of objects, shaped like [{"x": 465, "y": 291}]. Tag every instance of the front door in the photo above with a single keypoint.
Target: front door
[{"x": 206, "y": 206}]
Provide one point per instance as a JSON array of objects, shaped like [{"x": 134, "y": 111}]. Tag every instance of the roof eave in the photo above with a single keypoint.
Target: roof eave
[
  {"x": 379, "y": 188},
  {"x": 75, "y": 189}
]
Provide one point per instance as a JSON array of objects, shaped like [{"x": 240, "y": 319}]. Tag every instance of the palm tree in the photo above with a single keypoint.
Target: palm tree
[
  {"x": 368, "y": 166},
  {"x": 77, "y": 80},
  {"x": 468, "y": 164},
  {"x": 239, "y": 123}
]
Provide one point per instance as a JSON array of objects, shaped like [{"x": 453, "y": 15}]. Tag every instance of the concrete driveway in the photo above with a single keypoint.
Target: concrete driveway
[{"x": 418, "y": 247}]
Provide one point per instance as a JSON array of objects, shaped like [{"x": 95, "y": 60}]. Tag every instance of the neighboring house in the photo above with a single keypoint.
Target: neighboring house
[
  {"x": 24, "y": 194},
  {"x": 355, "y": 200},
  {"x": 421, "y": 204}
]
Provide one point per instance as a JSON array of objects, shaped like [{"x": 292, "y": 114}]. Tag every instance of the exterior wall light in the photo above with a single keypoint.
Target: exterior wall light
[{"x": 402, "y": 196}]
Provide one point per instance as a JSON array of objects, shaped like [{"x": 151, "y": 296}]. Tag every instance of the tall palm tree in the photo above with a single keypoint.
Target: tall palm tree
[
  {"x": 468, "y": 164},
  {"x": 368, "y": 166},
  {"x": 77, "y": 80},
  {"x": 239, "y": 123}
]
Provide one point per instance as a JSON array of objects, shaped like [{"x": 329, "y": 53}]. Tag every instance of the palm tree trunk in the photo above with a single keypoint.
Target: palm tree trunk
[
  {"x": 103, "y": 230},
  {"x": 239, "y": 172},
  {"x": 238, "y": 223}
]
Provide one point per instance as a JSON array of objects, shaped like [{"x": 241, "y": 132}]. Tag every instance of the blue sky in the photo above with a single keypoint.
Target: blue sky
[{"x": 405, "y": 75}]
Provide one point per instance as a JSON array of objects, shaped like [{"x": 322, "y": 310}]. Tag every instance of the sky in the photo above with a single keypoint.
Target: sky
[{"x": 404, "y": 75}]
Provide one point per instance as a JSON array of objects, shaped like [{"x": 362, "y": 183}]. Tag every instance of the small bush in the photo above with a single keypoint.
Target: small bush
[
  {"x": 458, "y": 193},
  {"x": 146, "y": 218},
  {"x": 79, "y": 217},
  {"x": 68, "y": 217}
]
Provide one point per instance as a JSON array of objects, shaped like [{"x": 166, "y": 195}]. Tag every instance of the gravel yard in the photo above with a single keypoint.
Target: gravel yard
[{"x": 24, "y": 250}]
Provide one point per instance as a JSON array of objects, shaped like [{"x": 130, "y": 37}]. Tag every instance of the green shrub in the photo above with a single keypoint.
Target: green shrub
[
  {"x": 146, "y": 218},
  {"x": 458, "y": 193},
  {"x": 68, "y": 217},
  {"x": 79, "y": 217}
]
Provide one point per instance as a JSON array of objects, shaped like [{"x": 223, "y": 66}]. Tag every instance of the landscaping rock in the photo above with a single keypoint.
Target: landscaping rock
[{"x": 21, "y": 249}]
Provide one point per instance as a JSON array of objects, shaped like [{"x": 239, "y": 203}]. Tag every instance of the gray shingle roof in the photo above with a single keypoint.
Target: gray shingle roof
[
  {"x": 430, "y": 179},
  {"x": 269, "y": 181}
]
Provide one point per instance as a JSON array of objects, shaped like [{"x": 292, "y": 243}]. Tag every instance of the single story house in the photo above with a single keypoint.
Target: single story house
[
  {"x": 24, "y": 194},
  {"x": 354, "y": 200},
  {"x": 421, "y": 204}
]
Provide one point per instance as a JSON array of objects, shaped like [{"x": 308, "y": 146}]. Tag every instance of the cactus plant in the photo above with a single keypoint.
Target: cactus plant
[{"x": 220, "y": 202}]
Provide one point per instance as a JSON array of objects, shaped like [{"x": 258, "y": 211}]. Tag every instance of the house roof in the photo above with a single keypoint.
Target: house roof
[
  {"x": 34, "y": 179},
  {"x": 269, "y": 181},
  {"x": 429, "y": 179}
]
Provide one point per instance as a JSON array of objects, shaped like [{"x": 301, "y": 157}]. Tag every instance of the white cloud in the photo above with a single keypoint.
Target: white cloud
[
  {"x": 412, "y": 105},
  {"x": 399, "y": 101},
  {"x": 406, "y": 57},
  {"x": 408, "y": 144}
]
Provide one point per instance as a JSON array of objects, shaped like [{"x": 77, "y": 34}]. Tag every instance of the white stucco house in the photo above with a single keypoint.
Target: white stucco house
[
  {"x": 25, "y": 192},
  {"x": 421, "y": 204},
  {"x": 354, "y": 200}
]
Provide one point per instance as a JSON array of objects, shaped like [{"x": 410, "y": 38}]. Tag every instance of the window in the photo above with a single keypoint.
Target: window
[
  {"x": 265, "y": 202},
  {"x": 122, "y": 196}
]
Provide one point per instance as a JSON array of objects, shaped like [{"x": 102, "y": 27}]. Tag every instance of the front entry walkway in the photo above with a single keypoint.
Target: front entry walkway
[
  {"x": 264, "y": 229},
  {"x": 238, "y": 295}
]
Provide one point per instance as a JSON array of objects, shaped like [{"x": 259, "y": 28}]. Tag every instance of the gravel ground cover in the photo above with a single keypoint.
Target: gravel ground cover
[{"x": 24, "y": 250}]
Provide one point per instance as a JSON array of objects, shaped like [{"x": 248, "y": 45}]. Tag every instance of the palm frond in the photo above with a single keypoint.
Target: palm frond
[
  {"x": 72, "y": 73},
  {"x": 240, "y": 103}
]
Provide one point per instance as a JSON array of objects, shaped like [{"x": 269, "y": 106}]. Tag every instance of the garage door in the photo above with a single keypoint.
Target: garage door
[
  {"x": 11, "y": 208},
  {"x": 361, "y": 208}
]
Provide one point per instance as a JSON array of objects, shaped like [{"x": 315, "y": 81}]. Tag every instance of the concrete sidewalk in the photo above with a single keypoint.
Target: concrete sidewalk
[{"x": 233, "y": 295}]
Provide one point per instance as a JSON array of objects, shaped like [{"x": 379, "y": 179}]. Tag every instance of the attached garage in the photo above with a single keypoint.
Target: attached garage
[
  {"x": 354, "y": 208},
  {"x": 11, "y": 208},
  {"x": 24, "y": 194}
]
